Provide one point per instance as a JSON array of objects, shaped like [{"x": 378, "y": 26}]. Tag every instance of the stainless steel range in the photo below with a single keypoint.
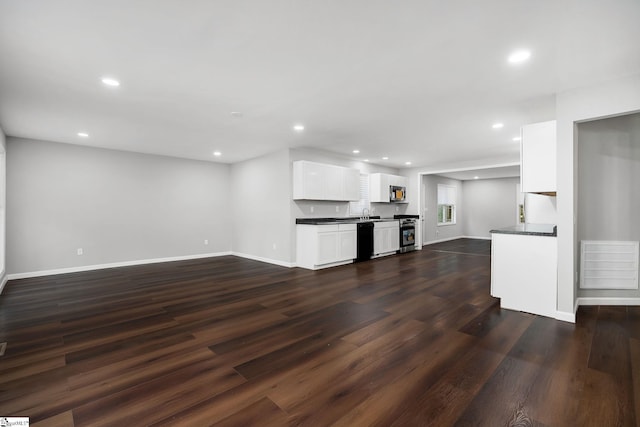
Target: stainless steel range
[{"x": 407, "y": 233}]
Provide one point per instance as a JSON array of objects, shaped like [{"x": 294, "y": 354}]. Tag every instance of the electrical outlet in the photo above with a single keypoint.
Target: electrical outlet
[
  {"x": 311, "y": 209},
  {"x": 337, "y": 208},
  {"x": 206, "y": 241},
  {"x": 397, "y": 208},
  {"x": 274, "y": 246},
  {"x": 80, "y": 251}
]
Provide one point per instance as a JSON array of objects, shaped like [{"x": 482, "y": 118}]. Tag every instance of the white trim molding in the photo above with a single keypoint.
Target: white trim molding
[
  {"x": 566, "y": 316},
  {"x": 262, "y": 259},
  {"x": 608, "y": 301},
  {"x": 112, "y": 265},
  {"x": 431, "y": 242},
  {"x": 3, "y": 281}
]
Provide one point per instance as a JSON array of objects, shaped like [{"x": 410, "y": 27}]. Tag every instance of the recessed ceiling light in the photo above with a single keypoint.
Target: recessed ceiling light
[
  {"x": 519, "y": 56},
  {"x": 517, "y": 138},
  {"x": 298, "y": 128},
  {"x": 407, "y": 163},
  {"x": 217, "y": 153},
  {"x": 385, "y": 158},
  {"x": 110, "y": 82},
  {"x": 476, "y": 177},
  {"x": 366, "y": 160},
  {"x": 356, "y": 151},
  {"x": 236, "y": 114},
  {"x": 83, "y": 135},
  {"x": 497, "y": 125}
]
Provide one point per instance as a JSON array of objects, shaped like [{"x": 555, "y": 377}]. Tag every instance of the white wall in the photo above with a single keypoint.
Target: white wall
[
  {"x": 261, "y": 221},
  {"x": 3, "y": 226},
  {"x": 540, "y": 209},
  {"x": 117, "y": 206},
  {"x": 489, "y": 204},
  {"x": 609, "y": 185},
  {"x": 431, "y": 231},
  {"x": 605, "y": 100}
]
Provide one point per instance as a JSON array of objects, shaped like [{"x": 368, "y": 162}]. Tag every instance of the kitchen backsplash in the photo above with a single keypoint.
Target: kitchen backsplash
[
  {"x": 540, "y": 209},
  {"x": 326, "y": 209}
]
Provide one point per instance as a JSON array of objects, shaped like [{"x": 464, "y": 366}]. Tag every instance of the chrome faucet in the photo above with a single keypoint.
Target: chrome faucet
[{"x": 365, "y": 215}]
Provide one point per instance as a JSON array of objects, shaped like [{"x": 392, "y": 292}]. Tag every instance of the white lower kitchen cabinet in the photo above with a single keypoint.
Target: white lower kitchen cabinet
[
  {"x": 386, "y": 237},
  {"x": 524, "y": 270},
  {"x": 321, "y": 246}
]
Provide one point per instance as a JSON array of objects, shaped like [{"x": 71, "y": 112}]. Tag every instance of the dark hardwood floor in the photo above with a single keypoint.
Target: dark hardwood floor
[{"x": 407, "y": 340}]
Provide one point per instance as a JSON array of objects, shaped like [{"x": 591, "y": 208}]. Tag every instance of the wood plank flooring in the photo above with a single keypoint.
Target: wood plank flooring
[{"x": 406, "y": 340}]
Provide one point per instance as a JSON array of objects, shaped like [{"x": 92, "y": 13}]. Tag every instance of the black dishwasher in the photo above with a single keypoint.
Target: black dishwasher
[{"x": 365, "y": 241}]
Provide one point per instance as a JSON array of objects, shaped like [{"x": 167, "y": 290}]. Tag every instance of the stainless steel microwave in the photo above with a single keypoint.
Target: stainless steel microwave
[{"x": 397, "y": 194}]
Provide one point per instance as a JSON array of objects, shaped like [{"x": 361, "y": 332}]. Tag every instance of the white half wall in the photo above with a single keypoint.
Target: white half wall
[{"x": 117, "y": 206}]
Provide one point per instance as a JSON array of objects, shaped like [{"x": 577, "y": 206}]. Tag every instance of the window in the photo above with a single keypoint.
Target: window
[
  {"x": 446, "y": 204},
  {"x": 356, "y": 208}
]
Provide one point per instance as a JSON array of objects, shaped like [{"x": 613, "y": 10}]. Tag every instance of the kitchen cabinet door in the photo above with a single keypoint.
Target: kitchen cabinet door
[
  {"x": 378, "y": 240},
  {"x": 394, "y": 238},
  {"x": 538, "y": 158},
  {"x": 379, "y": 184},
  {"x": 327, "y": 249},
  {"x": 386, "y": 237},
  {"x": 308, "y": 180},
  {"x": 319, "y": 181},
  {"x": 348, "y": 245},
  {"x": 321, "y": 246}
]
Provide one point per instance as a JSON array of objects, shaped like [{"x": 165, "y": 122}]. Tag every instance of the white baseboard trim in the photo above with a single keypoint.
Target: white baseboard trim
[
  {"x": 608, "y": 301},
  {"x": 442, "y": 240},
  {"x": 262, "y": 259},
  {"x": 566, "y": 316},
  {"x": 111, "y": 265},
  {"x": 3, "y": 281},
  {"x": 448, "y": 239}
]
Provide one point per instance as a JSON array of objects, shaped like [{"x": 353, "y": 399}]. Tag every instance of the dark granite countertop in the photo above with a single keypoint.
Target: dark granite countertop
[
  {"x": 530, "y": 230},
  {"x": 350, "y": 219},
  {"x": 343, "y": 220}
]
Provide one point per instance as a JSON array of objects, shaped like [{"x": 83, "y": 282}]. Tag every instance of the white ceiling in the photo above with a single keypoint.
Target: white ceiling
[
  {"x": 484, "y": 173},
  {"x": 418, "y": 81}
]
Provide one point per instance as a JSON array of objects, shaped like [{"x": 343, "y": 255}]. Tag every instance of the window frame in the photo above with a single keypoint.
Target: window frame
[
  {"x": 446, "y": 199},
  {"x": 356, "y": 208}
]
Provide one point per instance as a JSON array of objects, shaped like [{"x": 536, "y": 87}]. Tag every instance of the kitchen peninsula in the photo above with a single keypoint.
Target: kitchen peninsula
[{"x": 524, "y": 268}]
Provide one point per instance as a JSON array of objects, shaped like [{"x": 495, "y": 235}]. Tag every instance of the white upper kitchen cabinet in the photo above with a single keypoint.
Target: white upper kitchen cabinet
[
  {"x": 319, "y": 181},
  {"x": 538, "y": 158},
  {"x": 379, "y": 184}
]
